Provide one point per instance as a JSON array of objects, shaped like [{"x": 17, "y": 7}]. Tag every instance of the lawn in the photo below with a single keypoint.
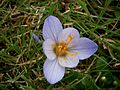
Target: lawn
[{"x": 22, "y": 58}]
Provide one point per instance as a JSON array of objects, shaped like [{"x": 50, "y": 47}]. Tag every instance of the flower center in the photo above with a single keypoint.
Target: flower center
[{"x": 61, "y": 48}]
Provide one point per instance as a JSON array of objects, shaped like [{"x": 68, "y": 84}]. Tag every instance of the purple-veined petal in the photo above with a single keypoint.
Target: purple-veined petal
[
  {"x": 36, "y": 38},
  {"x": 69, "y": 60},
  {"x": 51, "y": 28},
  {"x": 48, "y": 48},
  {"x": 86, "y": 48},
  {"x": 53, "y": 71},
  {"x": 65, "y": 36}
]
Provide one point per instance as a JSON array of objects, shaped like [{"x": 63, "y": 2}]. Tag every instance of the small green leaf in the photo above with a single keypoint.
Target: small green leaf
[
  {"x": 89, "y": 83},
  {"x": 117, "y": 12},
  {"x": 29, "y": 88},
  {"x": 101, "y": 64}
]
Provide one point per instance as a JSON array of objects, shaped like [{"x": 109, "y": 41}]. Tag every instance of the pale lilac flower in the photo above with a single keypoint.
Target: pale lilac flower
[{"x": 63, "y": 48}]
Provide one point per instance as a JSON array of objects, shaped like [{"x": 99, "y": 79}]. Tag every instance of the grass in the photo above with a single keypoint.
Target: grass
[{"x": 21, "y": 58}]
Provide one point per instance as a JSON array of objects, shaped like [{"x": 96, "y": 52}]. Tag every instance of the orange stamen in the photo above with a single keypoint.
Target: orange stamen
[
  {"x": 70, "y": 54},
  {"x": 61, "y": 49},
  {"x": 70, "y": 39}
]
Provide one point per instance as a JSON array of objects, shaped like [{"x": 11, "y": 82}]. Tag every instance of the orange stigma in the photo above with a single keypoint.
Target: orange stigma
[
  {"x": 61, "y": 48},
  {"x": 70, "y": 39}
]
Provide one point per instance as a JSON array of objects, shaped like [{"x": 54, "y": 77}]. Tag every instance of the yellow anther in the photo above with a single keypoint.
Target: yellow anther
[
  {"x": 70, "y": 39},
  {"x": 70, "y": 54},
  {"x": 61, "y": 48}
]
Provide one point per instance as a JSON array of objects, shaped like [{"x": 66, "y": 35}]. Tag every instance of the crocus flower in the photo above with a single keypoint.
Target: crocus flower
[{"x": 63, "y": 48}]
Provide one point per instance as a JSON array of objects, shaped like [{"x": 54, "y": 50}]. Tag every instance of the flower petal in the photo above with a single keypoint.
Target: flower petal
[
  {"x": 53, "y": 71},
  {"x": 67, "y": 34},
  {"x": 36, "y": 38},
  {"x": 69, "y": 61},
  {"x": 48, "y": 48},
  {"x": 51, "y": 28},
  {"x": 86, "y": 48}
]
